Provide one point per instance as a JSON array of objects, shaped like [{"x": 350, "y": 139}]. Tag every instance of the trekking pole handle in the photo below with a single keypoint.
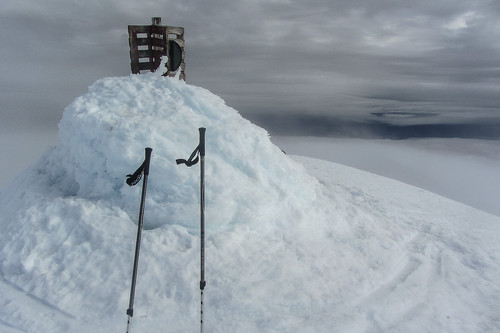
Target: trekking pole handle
[
  {"x": 202, "y": 140},
  {"x": 146, "y": 160}
]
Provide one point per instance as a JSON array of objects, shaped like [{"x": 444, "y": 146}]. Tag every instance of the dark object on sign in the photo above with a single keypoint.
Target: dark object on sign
[
  {"x": 148, "y": 43},
  {"x": 174, "y": 55}
]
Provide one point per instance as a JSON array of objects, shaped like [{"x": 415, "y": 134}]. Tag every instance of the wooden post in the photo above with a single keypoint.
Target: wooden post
[{"x": 134, "y": 49}]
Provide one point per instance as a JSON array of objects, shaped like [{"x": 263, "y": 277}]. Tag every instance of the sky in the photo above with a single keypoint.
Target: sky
[{"x": 274, "y": 61}]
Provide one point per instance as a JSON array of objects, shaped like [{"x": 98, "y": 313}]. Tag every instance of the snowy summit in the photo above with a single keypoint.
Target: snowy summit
[{"x": 293, "y": 244}]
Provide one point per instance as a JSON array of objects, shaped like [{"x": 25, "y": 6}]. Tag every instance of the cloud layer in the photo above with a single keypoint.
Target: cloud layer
[{"x": 314, "y": 58}]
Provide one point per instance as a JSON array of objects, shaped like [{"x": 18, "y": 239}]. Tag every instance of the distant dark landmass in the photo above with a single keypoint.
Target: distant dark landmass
[{"x": 374, "y": 126}]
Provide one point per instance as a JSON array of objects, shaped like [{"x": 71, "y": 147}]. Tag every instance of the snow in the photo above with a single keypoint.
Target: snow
[{"x": 293, "y": 243}]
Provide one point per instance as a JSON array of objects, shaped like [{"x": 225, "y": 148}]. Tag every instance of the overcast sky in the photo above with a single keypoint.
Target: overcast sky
[{"x": 420, "y": 61}]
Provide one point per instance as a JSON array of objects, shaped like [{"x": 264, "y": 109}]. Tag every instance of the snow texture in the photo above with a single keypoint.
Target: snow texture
[{"x": 293, "y": 244}]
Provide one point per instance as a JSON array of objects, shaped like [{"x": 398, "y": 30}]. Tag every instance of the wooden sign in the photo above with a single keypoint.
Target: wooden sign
[{"x": 149, "y": 43}]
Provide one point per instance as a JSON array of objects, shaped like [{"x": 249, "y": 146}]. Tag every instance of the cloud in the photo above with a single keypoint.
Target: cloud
[
  {"x": 462, "y": 21},
  {"x": 463, "y": 170}
]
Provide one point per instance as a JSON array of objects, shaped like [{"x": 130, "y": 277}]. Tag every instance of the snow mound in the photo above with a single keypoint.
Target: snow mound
[
  {"x": 68, "y": 220},
  {"x": 103, "y": 134},
  {"x": 342, "y": 250}
]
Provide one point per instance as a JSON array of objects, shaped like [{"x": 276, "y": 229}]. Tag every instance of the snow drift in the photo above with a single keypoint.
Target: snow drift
[{"x": 286, "y": 250}]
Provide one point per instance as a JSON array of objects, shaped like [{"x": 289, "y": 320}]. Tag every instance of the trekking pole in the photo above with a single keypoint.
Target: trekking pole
[
  {"x": 192, "y": 160},
  {"x": 131, "y": 181},
  {"x": 203, "y": 283}
]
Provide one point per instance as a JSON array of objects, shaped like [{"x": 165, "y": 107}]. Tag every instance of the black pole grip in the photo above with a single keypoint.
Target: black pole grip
[
  {"x": 202, "y": 140},
  {"x": 146, "y": 160}
]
